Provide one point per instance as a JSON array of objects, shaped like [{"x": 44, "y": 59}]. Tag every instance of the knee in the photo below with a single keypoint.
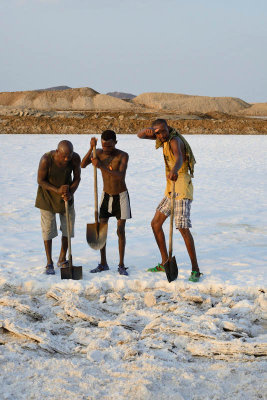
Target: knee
[
  {"x": 185, "y": 232},
  {"x": 155, "y": 225}
]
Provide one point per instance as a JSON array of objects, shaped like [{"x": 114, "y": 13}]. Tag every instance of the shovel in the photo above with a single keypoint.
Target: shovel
[
  {"x": 70, "y": 272},
  {"x": 96, "y": 233},
  {"x": 170, "y": 266}
]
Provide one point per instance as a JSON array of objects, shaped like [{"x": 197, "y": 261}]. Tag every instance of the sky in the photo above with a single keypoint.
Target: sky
[{"x": 197, "y": 47}]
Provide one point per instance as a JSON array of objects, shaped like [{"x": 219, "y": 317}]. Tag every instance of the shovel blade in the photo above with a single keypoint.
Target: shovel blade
[
  {"x": 96, "y": 235},
  {"x": 171, "y": 269},
  {"x": 75, "y": 273}
]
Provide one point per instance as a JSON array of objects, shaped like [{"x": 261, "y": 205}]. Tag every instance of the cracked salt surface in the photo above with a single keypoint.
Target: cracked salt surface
[{"x": 137, "y": 337}]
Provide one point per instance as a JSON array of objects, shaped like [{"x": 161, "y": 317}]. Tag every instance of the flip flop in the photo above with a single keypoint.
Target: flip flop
[
  {"x": 157, "y": 268},
  {"x": 63, "y": 264},
  {"x": 195, "y": 276}
]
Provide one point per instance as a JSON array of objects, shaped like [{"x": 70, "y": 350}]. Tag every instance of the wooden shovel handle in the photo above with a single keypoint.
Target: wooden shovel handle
[
  {"x": 68, "y": 231},
  {"x": 171, "y": 219},
  {"x": 95, "y": 187}
]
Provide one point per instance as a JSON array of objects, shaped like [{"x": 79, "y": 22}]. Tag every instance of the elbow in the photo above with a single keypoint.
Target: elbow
[{"x": 84, "y": 163}]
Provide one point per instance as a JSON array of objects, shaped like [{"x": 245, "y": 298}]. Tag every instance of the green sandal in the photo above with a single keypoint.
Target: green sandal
[
  {"x": 158, "y": 268},
  {"x": 195, "y": 276}
]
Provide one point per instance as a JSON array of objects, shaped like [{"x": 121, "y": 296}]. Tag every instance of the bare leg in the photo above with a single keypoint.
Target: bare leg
[
  {"x": 190, "y": 245},
  {"x": 64, "y": 248},
  {"x": 103, "y": 258},
  {"x": 122, "y": 239},
  {"x": 156, "y": 225},
  {"x": 48, "y": 250}
]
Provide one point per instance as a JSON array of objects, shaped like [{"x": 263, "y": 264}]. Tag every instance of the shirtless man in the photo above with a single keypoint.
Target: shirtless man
[
  {"x": 115, "y": 200},
  {"x": 179, "y": 166},
  {"x": 59, "y": 175}
]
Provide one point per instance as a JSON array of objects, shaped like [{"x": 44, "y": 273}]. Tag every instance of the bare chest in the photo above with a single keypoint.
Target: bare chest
[{"x": 110, "y": 162}]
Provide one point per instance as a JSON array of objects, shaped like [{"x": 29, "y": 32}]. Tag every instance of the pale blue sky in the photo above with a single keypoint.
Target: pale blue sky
[{"x": 202, "y": 47}]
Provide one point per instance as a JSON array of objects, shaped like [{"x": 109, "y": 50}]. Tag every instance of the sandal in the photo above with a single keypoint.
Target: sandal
[
  {"x": 122, "y": 270},
  {"x": 157, "y": 268},
  {"x": 49, "y": 269},
  {"x": 100, "y": 268},
  {"x": 195, "y": 276},
  {"x": 63, "y": 264}
]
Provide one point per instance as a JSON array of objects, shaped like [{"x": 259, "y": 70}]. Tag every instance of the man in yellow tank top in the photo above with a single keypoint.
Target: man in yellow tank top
[{"x": 179, "y": 167}]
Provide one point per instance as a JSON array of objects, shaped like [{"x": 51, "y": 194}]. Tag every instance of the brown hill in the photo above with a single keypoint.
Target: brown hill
[
  {"x": 257, "y": 109},
  {"x": 183, "y": 103},
  {"x": 69, "y": 99}
]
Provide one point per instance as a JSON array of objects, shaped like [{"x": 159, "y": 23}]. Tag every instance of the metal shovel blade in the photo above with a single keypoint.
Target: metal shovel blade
[
  {"x": 75, "y": 273},
  {"x": 171, "y": 269},
  {"x": 96, "y": 235}
]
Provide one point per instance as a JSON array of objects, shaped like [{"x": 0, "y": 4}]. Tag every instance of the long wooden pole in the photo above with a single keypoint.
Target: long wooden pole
[
  {"x": 171, "y": 219},
  {"x": 68, "y": 232},
  {"x": 95, "y": 187}
]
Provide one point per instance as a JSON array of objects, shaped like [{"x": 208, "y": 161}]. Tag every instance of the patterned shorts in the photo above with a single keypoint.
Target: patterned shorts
[
  {"x": 181, "y": 211},
  {"x": 115, "y": 206}
]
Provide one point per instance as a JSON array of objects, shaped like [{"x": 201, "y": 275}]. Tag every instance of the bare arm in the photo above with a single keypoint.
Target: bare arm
[
  {"x": 64, "y": 191},
  {"x": 87, "y": 158},
  {"x": 147, "y": 133},
  {"x": 176, "y": 148},
  {"x": 76, "y": 162}
]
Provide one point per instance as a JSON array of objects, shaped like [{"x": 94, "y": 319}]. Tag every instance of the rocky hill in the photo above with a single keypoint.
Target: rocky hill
[
  {"x": 69, "y": 99},
  {"x": 257, "y": 109},
  {"x": 70, "y": 122},
  {"x": 85, "y": 111},
  {"x": 183, "y": 103}
]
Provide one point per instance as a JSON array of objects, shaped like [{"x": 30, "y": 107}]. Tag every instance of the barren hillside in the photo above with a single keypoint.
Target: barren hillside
[
  {"x": 85, "y": 111},
  {"x": 70, "y": 99},
  {"x": 66, "y": 122},
  {"x": 183, "y": 103},
  {"x": 257, "y": 109}
]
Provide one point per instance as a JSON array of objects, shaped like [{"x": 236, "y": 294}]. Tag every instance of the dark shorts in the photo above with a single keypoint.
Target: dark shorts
[{"x": 115, "y": 206}]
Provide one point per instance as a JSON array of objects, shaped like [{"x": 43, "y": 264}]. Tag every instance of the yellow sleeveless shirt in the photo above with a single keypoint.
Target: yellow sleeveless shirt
[{"x": 183, "y": 185}]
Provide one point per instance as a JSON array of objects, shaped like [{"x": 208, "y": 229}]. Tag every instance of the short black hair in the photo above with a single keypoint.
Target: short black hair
[
  {"x": 159, "y": 121},
  {"x": 108, "y": 135}
]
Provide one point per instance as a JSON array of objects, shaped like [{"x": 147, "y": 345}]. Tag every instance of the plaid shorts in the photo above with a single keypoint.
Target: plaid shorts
[{"x": 181, "y": 211}]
